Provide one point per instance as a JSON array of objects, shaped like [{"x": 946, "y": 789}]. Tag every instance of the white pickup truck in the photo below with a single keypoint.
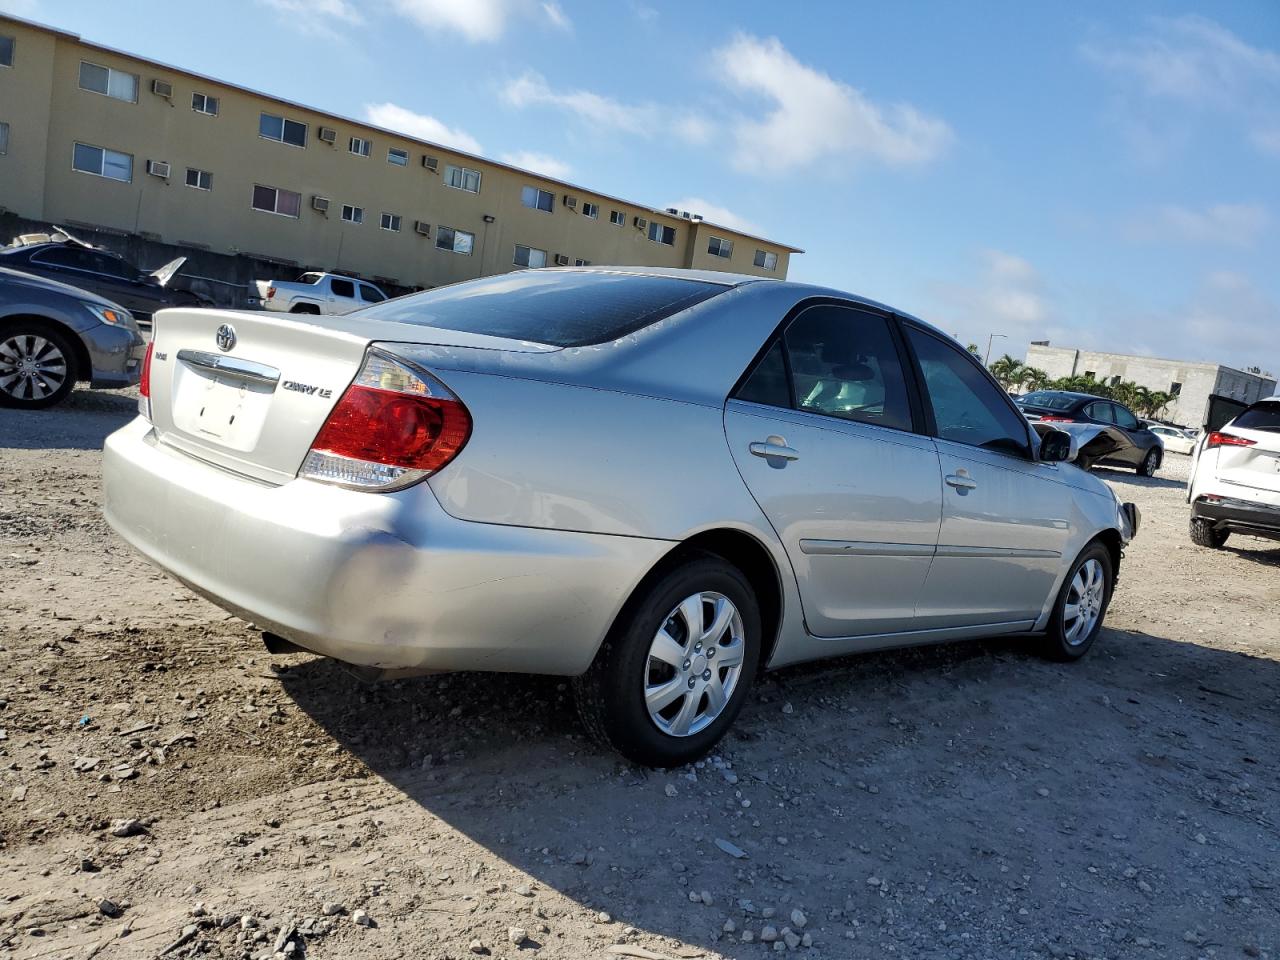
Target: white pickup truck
[{"x": 326, "y": 293}]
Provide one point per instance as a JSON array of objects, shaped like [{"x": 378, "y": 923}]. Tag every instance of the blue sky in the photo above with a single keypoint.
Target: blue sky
[{"x": 1098, "y": 174}]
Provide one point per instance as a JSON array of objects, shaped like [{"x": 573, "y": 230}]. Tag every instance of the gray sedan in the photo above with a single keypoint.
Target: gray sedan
[
  {"x": 53, "y": 335},
  {"x": 656, "y": 482}
]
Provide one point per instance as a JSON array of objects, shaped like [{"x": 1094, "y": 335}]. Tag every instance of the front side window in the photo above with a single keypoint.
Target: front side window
[
  {"x": 359, "y": 146},
  {"x": 202, "y": 103},
  {"x": 352, "y": 214},
  {"x": 591, "y": 210},
  {"x": 371, "y": 294},
  {"x": 6, "y": 51},
  {"x": 397, "y": 156},
  {"x": 766, "y": 260},
  {"x": 282, "y": 129},
  {"x": 110, "y": 83},
  {"x": 536, "y": 199},
  {"x": 274, "y": 200},
  {"x": 660, "y": 233},
  {"x": 200, "y": 179},
  {"x": 462, "y": 178},
  {"x": 342, "y": 288},
  {"x": 617, "y": 217},
  {"x": 530, "y": 257},
  {"x": 102, "y": 162},
  {"x": 967, "y": 407},
  {"x": 391, "y": 221},
  {"x": 1124, "y": 418},
  {"x": 457, "y": 241},
  {"x": 718, "y": 247}
]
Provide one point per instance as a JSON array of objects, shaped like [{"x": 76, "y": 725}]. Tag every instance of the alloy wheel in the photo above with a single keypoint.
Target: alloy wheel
[
  {"x": 31, "y": 366},
  {"x": 1084, "y": 602},
  {"x": 694, "y": 664}
]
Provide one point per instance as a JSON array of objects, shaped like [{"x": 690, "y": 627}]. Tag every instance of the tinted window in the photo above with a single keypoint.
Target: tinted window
[
  {"x": 768, "y": 381},
  {"x": 1100, "y": 412},
  {"x": 111, "y": 266},
  {"x": 1124, "y": 417},
  {"x": 1261, "y": 416},
  {"x": 967, "y": 407},
  {"x": 844, "y": 364},
  {"x": 370, "y": 294},
  {"x": 1047, "y": 401},
  {"x": 563, "y": 310},
  {"x": 342, "y": 288},
  {"x": 61, "y": 257}
]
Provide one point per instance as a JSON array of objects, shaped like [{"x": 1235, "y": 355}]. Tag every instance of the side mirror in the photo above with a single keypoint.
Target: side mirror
[{"x": 1057, "y": 446}]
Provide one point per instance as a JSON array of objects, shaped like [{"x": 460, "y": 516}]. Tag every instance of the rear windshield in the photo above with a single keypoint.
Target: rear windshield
[
  {"x": 1261, "y": 416},
  {"x": 559, "y": 309},
  {"x": 1048, "y": 401}
]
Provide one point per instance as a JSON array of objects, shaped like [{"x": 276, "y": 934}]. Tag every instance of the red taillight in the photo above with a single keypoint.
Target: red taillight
[
  {"x": 144, "y": 382},
  {"x": 271, "y": 292},
  {"x": 1217, "y": 439},
  {"x": 1053, "y": 419},
  {"x": 394, "y": 425}
]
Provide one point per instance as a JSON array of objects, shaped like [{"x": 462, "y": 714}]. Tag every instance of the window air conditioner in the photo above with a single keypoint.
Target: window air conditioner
[
  {"x": 158, "y": 168},
  {"x": 328, "y": 135},
  {"x": 320, "y": 204}
]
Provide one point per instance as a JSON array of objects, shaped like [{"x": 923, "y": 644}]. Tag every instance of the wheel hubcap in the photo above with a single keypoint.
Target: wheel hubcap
[
  {"x": 1084, "y": 602},
  {"x": 694, "y": 664},
  {"x": 31, "y": 367}
]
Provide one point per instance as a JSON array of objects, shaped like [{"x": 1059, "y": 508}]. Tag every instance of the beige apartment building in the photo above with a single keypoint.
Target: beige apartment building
[{"x": 93, "y": 137}]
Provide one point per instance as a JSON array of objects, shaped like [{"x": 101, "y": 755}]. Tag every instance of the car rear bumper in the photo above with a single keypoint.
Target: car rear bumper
[
  {"x": 380, "y": 580},
  {"x": 1241, "y": 516}
]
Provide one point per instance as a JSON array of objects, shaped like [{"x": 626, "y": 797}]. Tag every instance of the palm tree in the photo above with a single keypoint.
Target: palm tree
[
  {"x": 1033, "y": 378},
  {"x": 1007, "y": 370}
]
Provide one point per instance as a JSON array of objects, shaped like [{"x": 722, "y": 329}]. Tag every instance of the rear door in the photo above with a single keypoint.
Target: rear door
[
  {"x": 822, "y": 432},
  {"x": 1139, "y": 440},
  {"x": 342, "y": 295},
  {"x": 1255, "y": 465}
]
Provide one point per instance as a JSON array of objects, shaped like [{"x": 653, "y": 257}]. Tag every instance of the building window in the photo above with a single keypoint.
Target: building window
[
  {"x": 4, "y": 139},
  {"x": 537, "y": 199},
  {"x": 108, "y": 82},
  {"x": 581, "y": 263},
  {"x": 391, "y": 221},
  {"x": 274, "y": 200},
  {"x": 767, "y": 260},
  {"x": 282, "y": 130},
  {"x": 359, "y": 146},
  {"x": 397, "y": 156},
  {"x": 459, "y": 241},
  {"x": 462, "y": 178},
  {"x": 103, "y": 163},
  {"x": 591, "y": 210},
  {"x": 1175, "y": 388},
  {"x": 530, "y": 257},
  {"x": 6, "y": 51},
  {"x": 201, "y": 103},
  {"x": 661, "y": 233},
  {"x": 200, "y": 179},
  {"x": 617, "y": 217},
  {"x": 352, "y": 214},
  {"x": 720, "y": 248}
]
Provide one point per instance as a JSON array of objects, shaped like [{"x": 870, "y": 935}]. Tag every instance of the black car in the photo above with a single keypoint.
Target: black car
[
  {"x": 104, "y": 273},
  {"x": 1122, "y": 439}
]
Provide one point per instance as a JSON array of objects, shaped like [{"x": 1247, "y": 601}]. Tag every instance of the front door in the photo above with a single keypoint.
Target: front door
[{"x": 822, "y": 434}]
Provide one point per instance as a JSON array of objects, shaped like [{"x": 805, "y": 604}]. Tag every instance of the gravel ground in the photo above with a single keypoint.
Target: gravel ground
[{"x": 166, "y": 788}]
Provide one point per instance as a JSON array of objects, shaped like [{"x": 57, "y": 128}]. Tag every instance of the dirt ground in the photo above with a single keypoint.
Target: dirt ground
[{"x": 169, "y": 789}]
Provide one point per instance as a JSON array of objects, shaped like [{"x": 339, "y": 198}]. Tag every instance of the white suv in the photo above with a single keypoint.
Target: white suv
[{"x": 1235, "y": 477}]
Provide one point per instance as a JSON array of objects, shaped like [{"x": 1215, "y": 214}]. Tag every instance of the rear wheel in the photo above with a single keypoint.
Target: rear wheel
[
  {"x": 1150, "y": 463},
  {"x": 306, "y": 308},
  {"x": 675, "y": 669},
  {"x": 1204, "y": 534},
  {"x": 37, "y": 366},
  {"x": 1081, "y": 605}
]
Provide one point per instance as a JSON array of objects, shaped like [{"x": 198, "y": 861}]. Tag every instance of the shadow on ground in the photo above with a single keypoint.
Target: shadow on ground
[
  {"x": 81, "y": 422},
  {"x": 944, "y": 801}
]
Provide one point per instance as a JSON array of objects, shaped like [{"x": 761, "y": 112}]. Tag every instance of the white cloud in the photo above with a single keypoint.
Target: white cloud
[
  {"x": 597, "y": 110},
  {"x": 479, "y": 21},
  {"x": 1197, "y": 63},
  {"x": 813, "y": 116},
  {"x": 538, "y": 163},
  {"x": 1007, "y": 298},
  {"x": 395, "y": 117},
  {"x": 1225, "y": 224},
  {"x": 716, "y": 214}
]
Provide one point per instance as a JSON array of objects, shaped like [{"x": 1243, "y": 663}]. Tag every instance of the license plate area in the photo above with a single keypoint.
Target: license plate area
[{"x": 219, "y": 408}]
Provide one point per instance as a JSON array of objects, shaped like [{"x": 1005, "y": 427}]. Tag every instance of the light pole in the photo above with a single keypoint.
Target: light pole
[{"x": 987, "y": 361}]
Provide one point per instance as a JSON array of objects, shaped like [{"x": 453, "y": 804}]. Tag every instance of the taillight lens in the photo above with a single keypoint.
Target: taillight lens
[
  {"x": 1217, "y": 439},
  {"x": 1053, "y": 419},
  {"x": 271, "y": 292},
  {"x": 144, "y": 384},
  {"x": 395, "y": 425}
]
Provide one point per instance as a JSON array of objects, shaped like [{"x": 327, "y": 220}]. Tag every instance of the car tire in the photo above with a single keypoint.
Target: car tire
[
  {"x": 1081, "y": 605},
  {"x": 1150, "y": 463},
  {"x": 1204, "y": 534},
  {"x": 652, "y": 656},
  {"x": 31, "y": 341}
]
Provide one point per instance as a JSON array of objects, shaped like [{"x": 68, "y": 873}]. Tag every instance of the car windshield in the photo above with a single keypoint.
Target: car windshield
[
  {"x": 1261, "y": 416},
  {"x": 558, "y": 309},
  {"x": 1048, "y": 401}
]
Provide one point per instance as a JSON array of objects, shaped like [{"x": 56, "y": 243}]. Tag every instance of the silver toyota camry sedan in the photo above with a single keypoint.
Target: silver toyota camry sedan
[{"x": 656, "y": 482}]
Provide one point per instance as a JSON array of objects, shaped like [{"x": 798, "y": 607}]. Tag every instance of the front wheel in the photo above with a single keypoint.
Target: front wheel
[
  {"x": 1081, "y": 605},
  {"x": 1150, "y": 463},
  {"x": 676, "y": 667},
  {"x": 37, "y": 366}
]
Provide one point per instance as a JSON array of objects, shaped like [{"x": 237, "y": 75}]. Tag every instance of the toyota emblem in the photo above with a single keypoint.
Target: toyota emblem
[{"x": 226, "y": 337}]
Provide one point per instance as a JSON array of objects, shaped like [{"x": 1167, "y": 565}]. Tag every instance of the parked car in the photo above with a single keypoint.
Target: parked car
[
  {"x": 318, "y": 293},
  {"x": 1173, "y": 438},
  {"x": 1235, "y": 477},
  {"x": 53, "y": 335},
  {"x": 656, "y": 482},
  {"x": 102, "y": 272},
  {"x": 1120, "y": 438}
]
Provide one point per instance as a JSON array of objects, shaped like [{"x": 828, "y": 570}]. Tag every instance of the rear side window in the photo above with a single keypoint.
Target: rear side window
[
  {"x": 1101, "y": 412},
  {"x": 1261, "y": 416},
  {"x": 558, "y": 309}
]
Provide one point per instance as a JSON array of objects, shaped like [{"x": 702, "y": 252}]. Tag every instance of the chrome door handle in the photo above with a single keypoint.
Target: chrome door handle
[
  {"x": 961, "y": 482},
  {"x": 774, "y": 448}
]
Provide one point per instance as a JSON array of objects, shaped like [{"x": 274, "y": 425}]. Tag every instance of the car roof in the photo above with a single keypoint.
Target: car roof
[{"x": 55, "y": 286}]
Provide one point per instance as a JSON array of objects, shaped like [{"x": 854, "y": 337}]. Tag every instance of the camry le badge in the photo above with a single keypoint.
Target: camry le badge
[{"x": 226, "y": 337}]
